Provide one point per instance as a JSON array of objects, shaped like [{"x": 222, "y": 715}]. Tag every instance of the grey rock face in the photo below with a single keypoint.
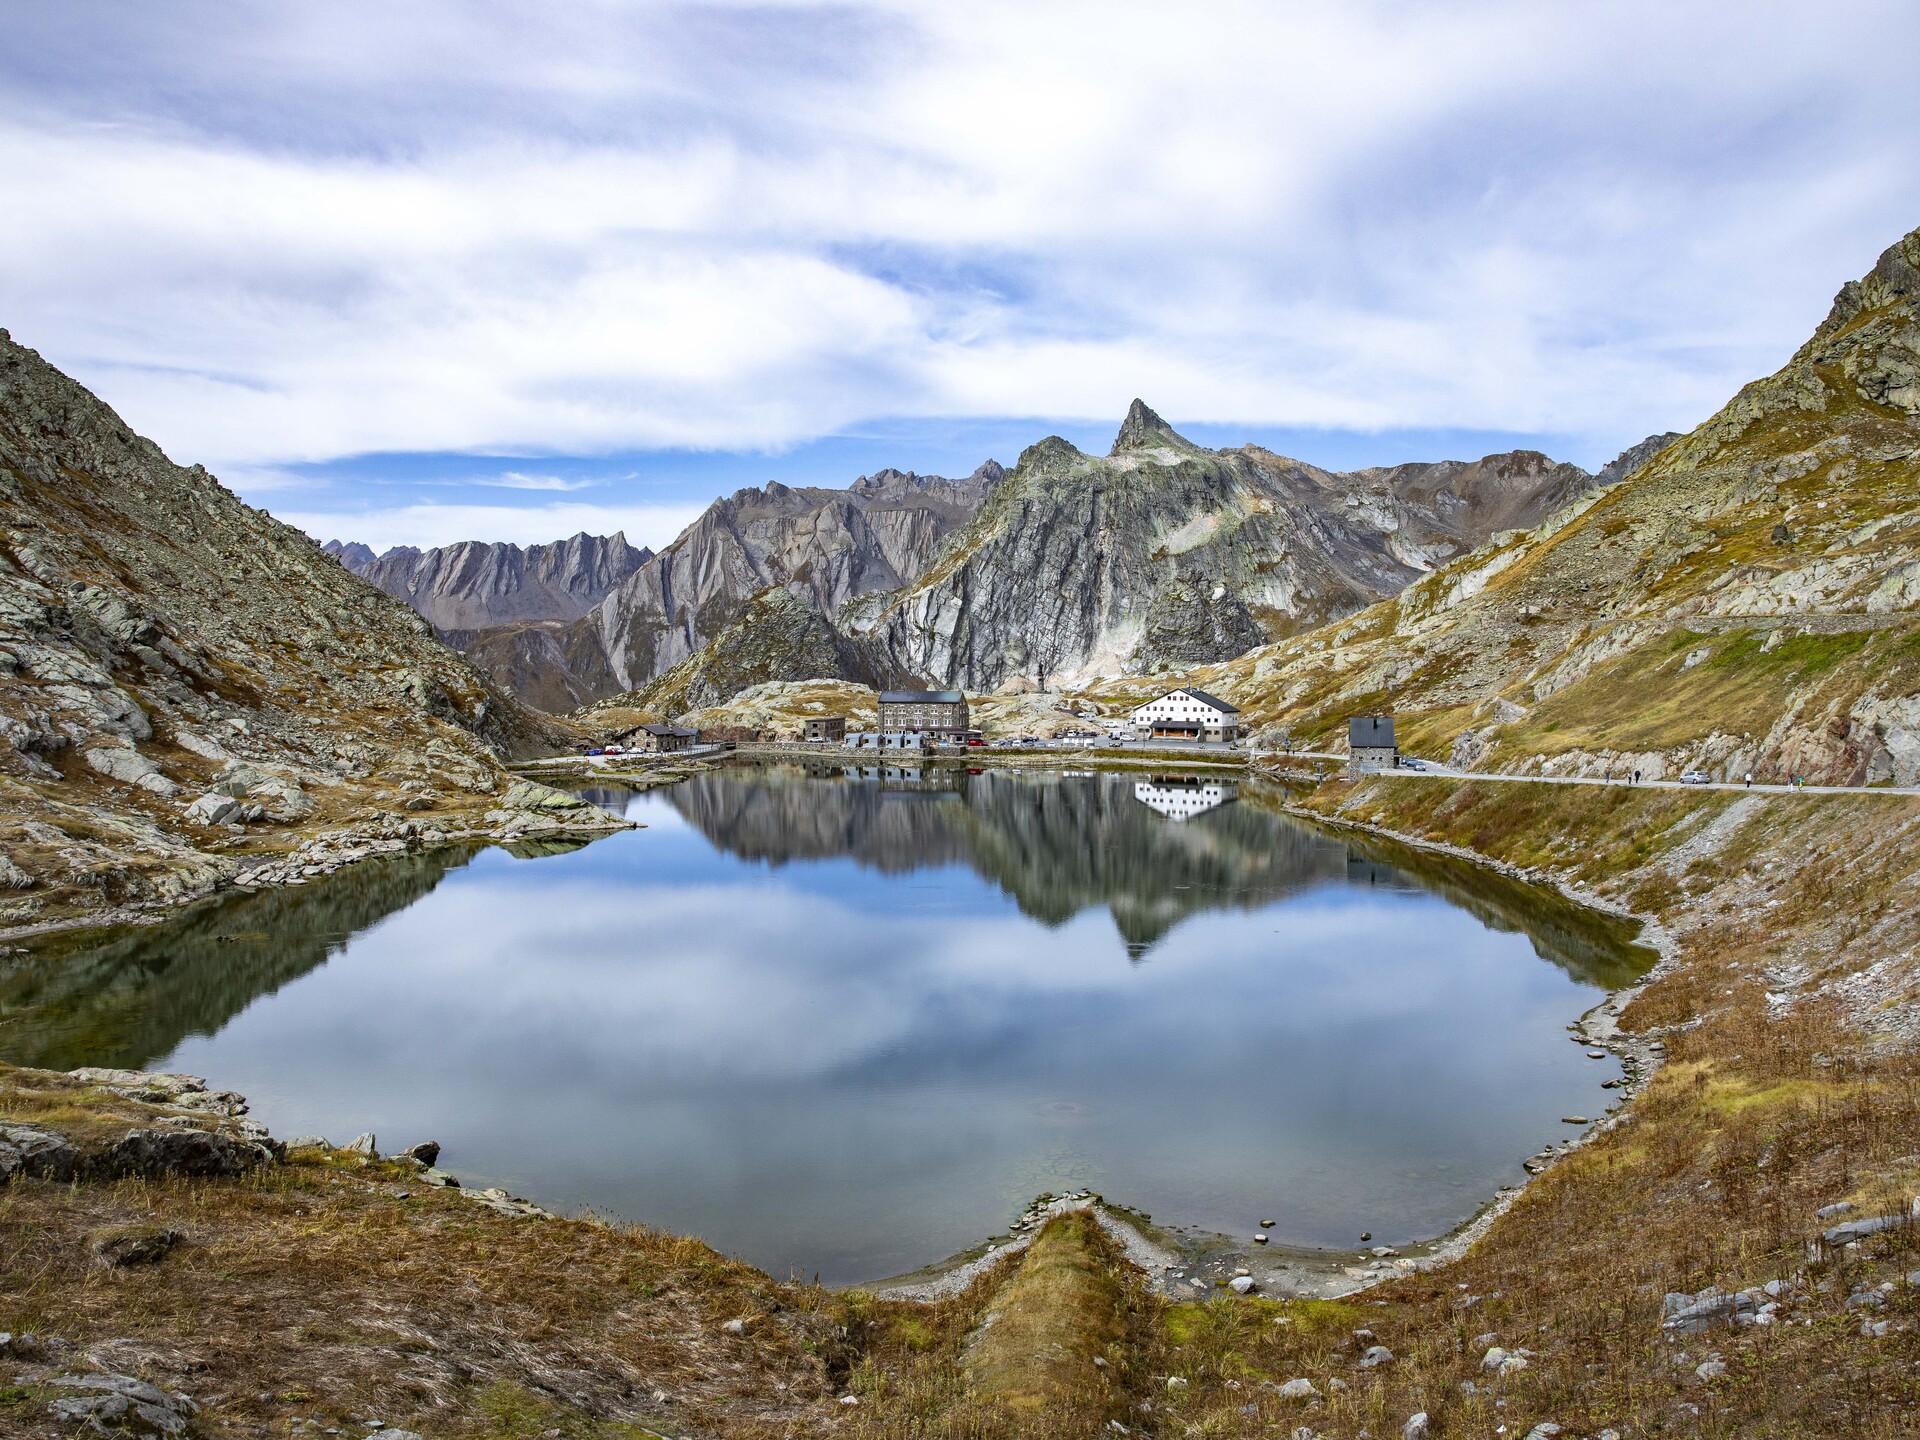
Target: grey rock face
[
  {"x": 1163, "y": 553},
  {"x": 473, "y": 585},
  {"x": 828, "y": 547},
  {"x": 1633, "y": 457},
  {"x": 145, "y": 610}
]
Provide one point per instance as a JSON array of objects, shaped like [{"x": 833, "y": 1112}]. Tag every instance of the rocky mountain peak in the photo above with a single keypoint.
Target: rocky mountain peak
[
  {"x": 1144, "y": 430},
  {"x": 1633, "y": 457}
]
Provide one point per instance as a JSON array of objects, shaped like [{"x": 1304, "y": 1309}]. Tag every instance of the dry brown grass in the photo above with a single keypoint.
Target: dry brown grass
[
  {"x": 1051, "y": 1345},
  {"x": 334, "y": 1291}
]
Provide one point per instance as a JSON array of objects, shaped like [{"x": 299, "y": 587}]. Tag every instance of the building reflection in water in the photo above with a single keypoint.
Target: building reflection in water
[{"x": 1181, "y": 797}]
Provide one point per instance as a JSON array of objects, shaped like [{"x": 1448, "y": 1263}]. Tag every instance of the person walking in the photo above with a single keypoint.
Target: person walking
[
  {"x": 1636, "y": 777},
  {"x": 1749, "y": 779}
]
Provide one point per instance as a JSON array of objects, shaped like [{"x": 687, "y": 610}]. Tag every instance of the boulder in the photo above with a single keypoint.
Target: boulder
[
  {"x": 1854, "y": 1230},
  {"x": 1299, "y": 1389},
  {"x": 1696, "y": 1314},
  {"x": 1376, "y": 1355},
  {"x": 211, "y": 809},
  {"x": 108, "y": 1403},
  {"x": 41, "y": 1154},
  {"x": 197, "y": 1153},
  {"x": 363, "y": 1144},
  {"x": 120, "y": 762},
  {"x": 427, "y": 1152},
  {"x": 1418, "y": 1427}
]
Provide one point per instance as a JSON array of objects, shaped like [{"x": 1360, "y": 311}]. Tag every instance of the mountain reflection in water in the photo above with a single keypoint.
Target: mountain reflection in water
[{"x": 850, "y": 1022}]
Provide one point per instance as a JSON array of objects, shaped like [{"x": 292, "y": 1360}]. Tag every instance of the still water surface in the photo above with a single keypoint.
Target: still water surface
[{"x": 850, "y": 1022}]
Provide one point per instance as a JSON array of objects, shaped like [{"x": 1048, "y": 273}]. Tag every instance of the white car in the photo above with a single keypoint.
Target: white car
[{"x": 1695, "y": 777}]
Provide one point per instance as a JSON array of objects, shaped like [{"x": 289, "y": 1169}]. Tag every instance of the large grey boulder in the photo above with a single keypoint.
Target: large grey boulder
[
  {"x": 213, "y": 809},
  {"x": 41, "y": 1154},
  {"x": 120, "y": 762},
  {"x": 197, "y": 1153},
  {"x": 110, "y": 1404}
]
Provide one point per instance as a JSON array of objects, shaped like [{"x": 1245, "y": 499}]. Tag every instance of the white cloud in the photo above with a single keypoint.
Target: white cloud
[
  {"x": 426, "y": 526},
  {"x": 515, "y": 480},
  {"x": 316, "y": 231}
]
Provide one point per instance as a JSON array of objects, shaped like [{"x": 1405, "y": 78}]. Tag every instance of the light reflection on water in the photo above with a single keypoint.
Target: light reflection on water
[{"x": 850, "y": 1025}]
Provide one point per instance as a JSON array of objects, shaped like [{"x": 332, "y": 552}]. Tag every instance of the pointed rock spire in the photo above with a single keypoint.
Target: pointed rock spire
[{"x": 1144, "y": 430}]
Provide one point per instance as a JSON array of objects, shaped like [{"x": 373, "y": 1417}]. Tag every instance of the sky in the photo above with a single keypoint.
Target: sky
[{"x": 505, "y": 271}]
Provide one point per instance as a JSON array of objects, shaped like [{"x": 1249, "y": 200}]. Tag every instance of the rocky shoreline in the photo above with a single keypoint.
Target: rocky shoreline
[{"x": 524, "y": 810}]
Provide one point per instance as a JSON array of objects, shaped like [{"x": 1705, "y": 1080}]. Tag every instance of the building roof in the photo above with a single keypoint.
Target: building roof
[
  {"x": 922, "y": 697},
  {"x": 665, "y": 730},
  {"x": 1213, "y": 700},
  {"x": 1202, "y": 696},
  {"x": 1370, "y": 730}
]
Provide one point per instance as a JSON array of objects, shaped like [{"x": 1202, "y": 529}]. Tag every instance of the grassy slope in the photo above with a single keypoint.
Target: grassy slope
[{"x": 1792, "y": 513}]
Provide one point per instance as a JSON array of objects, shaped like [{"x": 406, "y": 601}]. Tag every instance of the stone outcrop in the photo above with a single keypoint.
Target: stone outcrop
[
  {"x": 176, "y": 665},
  {"x": 1164, "y": 554},
  {"x": 1742, "y": 600}
]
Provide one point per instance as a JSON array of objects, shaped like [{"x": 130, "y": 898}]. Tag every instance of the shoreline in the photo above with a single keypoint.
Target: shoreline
[{"x": 1179, "y": 1261}]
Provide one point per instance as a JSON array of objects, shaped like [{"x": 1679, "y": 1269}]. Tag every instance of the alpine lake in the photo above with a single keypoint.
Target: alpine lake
[{"x": 848, "y": 1020}]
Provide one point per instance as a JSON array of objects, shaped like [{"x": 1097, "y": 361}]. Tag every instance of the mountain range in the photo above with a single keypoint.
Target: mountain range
[{"x": 1161, "y": 554}]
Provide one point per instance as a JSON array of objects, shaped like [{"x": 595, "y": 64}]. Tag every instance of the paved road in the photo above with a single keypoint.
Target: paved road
[{"x": 1440, "y": 772}]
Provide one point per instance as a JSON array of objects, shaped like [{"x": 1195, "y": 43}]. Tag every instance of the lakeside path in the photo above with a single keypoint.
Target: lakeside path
[{"x": 1437, "y": 772}]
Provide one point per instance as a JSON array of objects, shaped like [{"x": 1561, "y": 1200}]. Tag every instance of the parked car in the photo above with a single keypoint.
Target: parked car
[
  {"x": 596, "y": 751},
  {"x": 976, "y": 743},
  {"x": 1695, "y": 777},
  {"x": 1407, "y": 762}
]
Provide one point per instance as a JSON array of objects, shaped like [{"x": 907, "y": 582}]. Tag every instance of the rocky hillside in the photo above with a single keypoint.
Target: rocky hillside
[
  {"x": 1744, "y": 601},
  {"x": 774, "y": 636},
  {"x": 472, "y": 586},
  {"x": 1164, "y": 554},
  {"x": 826, "y": 546},
  {"x": 183, "y": 678}
]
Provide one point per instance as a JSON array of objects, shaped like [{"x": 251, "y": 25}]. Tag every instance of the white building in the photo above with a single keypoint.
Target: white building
[{"x": 1187, "y": 714}]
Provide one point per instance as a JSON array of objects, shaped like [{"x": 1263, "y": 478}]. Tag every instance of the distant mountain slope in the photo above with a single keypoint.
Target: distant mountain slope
[
  {"x": 1746, "y": 600},
  {"x": 774, "y": 636},
  {"x": 474, "y": 585},
  {"x": 1164, "y": 554},
  {"x": 828, "y": 547},
  {"x": 161, "y": 642}
]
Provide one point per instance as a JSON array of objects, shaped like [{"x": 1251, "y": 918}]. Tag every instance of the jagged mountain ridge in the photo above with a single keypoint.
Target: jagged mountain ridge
[
  {"x": 475, "y": 585},
  {"x": 159, "y": 637},
  {"x": 1744, "y": 600},
  {"x": 1164, "y": 554},
  {"x": 828, "y": 547}
]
